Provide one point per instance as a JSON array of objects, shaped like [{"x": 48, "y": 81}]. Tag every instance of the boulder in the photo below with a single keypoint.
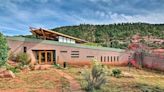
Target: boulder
[
  {"x": 36, "y": 67},
  {"x": 44, "y": 67},
  {"x": 2, "y": 72},
  {"x": 1, "y": 75},
  {"x": 127, "y": 75},
  {"x": 9, "y": 74}
]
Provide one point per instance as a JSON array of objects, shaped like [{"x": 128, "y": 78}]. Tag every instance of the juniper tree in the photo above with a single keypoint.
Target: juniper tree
[{"x": 3, "y": 50}]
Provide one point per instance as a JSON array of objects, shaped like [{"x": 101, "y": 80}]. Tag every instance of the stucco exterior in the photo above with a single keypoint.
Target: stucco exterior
[
  {"x": 153, "y": 62},
  {"x": 64, "y": 51}
]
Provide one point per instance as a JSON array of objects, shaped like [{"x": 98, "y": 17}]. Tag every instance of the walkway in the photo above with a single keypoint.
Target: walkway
[{"x": 74, "y": 85}]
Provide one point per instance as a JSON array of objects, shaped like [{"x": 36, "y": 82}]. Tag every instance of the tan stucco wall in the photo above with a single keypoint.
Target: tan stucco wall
[{"x": 17, "y": 46}]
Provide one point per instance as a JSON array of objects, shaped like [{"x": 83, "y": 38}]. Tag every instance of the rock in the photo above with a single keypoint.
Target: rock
[
  {"x": 44, "y": 67},
  {"x": 127, "y": 75},
  {"x": 79, "y": 72},
  {"x": 2, "y": 70},
  {"x": 37, "y": 67},
  {"x": 12, "y": 63},
  {"x": 9, "y": 74},
  {"x": 1, "y": 75},
  {"x": 26, "y": 69}
]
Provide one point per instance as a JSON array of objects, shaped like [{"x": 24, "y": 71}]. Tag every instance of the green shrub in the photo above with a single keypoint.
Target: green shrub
[
  {"x": 116, "y": 73},
  {"x": 15, "y": 70},
  {"x": 57, "y": 66},
  {"x": 12, "y": 56},
  {"x": 12, "y": 68},
  {"x": 23, "y": 59},
  {"x": 3, "y": 50},
  {"x": 95, "y": 78},
  {"x": 65, "y": 85}
]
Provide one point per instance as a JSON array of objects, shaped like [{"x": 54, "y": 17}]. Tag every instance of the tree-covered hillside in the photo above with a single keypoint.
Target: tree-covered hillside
[{"x": 114, "y": 35}]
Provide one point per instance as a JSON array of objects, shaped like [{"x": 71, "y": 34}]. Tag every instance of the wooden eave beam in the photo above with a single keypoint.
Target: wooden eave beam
[{"x": 44, "y": 36}]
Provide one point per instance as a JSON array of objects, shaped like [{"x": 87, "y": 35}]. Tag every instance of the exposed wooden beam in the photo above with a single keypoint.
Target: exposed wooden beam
[
  {"x": 46, "y": 32},
  {"x": 44, "y": 36}
]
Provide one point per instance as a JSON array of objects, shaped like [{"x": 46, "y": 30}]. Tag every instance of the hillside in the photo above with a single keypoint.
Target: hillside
[{"x": 115, "y": 35}]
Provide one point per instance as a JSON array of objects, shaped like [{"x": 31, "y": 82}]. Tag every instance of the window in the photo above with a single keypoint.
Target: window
[
  {"x": 63, "y": 51},
  {"x": 65, "y": 39},
  {"x": 111, "y": 59},
  {"x": 114, "y": 58},
  {"x": 24, "y": 49},
  {"x": 37, "y": 56},
  {"x": 90, "y": 56},
  {"x": 108, "y": 58},
  {"x": 60, "y": 39},
  {"x": 74, "y": 54},
  {"x": 117, "y": 58},
  {"x": 104, "y": 58},
  {"x": 101, "y": 58}
]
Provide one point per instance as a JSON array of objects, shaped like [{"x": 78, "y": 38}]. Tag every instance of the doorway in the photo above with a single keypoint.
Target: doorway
[{"x": 45, "y": 56}]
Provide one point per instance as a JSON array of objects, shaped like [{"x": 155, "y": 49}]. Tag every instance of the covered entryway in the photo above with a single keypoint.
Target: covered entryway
[{"x": 45, "y": 56}]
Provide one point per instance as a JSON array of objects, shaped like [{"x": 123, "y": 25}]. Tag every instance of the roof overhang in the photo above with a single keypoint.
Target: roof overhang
[{"x": 49, "y": 34}]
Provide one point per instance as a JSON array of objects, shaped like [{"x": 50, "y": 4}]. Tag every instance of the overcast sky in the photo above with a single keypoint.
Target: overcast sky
[{"x": 17, "y": 15}]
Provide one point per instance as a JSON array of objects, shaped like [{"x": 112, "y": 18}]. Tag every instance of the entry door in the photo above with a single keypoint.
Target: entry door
[
  {"x": 49, "y": 57},
  {"x": 45, "y": 57}
]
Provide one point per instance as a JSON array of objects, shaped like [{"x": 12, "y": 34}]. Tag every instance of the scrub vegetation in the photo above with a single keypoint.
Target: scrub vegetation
[
  {"x": 134, "y": 80},
  {"x": 35, "y": 81},
  {"x": 114, "y": 35},
  {"x": 95, "y": 78}
]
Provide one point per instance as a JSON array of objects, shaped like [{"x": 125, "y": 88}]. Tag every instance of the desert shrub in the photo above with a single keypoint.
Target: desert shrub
[
  {"x": 12, "y": 56},
  {"x": 32, "y": 66},
  {"x": 23, "y": 59},
  {"x": 95, "y": 78},
  {"x": 3, "y": 50},
  {"x": 15, "y": 70},
  {"x": 116, "y": 73},
  {"x": 65, "y": 85},
  {"x": 12, "y": 68},
  {"x": 149, "y": 88}
]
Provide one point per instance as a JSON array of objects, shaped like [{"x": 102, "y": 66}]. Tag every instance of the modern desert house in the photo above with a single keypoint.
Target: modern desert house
[{"x": 51, "y": 47}]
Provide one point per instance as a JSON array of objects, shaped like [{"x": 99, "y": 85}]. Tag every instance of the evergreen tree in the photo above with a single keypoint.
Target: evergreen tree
[{"x": 3, "y": 50}]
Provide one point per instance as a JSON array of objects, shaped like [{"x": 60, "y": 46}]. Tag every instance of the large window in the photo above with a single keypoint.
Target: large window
[{"x": 66, "y": 40}]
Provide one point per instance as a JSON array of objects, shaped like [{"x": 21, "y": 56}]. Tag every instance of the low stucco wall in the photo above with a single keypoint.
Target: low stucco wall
[{"x": 153, "y": 63}]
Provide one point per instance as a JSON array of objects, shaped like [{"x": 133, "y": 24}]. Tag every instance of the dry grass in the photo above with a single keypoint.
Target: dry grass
[
  {"x": 134, "y": 80},
  {"x": 33, "y": 81}
]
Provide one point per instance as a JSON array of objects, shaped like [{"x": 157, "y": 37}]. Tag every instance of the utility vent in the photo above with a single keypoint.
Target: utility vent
[
  {"x": 90, "y": 56},
  {"x": 74, "y": 54},
  {"x": 63, "y": 51}
]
